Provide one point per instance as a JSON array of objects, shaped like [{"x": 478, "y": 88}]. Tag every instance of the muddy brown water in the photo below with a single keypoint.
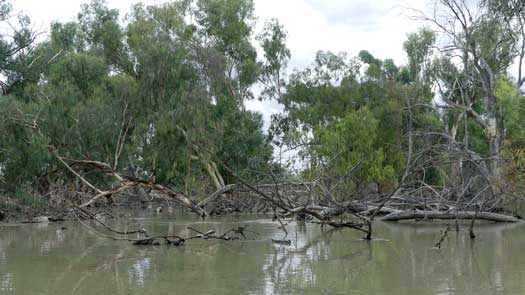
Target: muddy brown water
[{"x": 47, "y": 259}]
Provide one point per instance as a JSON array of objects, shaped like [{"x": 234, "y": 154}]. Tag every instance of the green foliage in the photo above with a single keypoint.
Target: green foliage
[
  {"x": 175, "y": 86},
  {"x": 16, "y": 50},
  {"x": 349, "y": 117},
  {"x": 273, "y": 42},
  {"x": 352, "y": 140},
  {"x": 24, "y": 196},
  {"x": 23, "y": 153},
  {"x": 242, "y": 142},
  {"x": 418, "y": 48},
  {"x": 174, "y": 78},
  {"x": 512, "y": 105}
]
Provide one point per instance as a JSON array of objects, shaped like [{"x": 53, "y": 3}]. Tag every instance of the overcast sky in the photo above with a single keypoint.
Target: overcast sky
[{"x": 379, "y": 26}]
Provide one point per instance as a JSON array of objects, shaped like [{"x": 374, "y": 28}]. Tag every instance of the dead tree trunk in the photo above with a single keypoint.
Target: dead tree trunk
[{"x": 421, "y": 215}]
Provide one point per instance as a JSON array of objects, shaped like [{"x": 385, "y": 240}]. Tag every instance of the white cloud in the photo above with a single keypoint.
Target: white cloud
[
  {"x": 44, "y": 12},
  {"x": 340, "y": 25}
]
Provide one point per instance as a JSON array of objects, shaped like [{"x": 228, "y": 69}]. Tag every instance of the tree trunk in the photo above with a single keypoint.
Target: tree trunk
[
  {"x": 417, "y": 214},
  {"x": 456, "y": 165},
  {"x": 496, "y": 135},
  {"x": 187, "y": 172},
  {"x": 215, "y": 175}
]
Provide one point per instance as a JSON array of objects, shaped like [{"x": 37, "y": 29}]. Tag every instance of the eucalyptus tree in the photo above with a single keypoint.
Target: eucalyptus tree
[
  {"x": 512, "y": 14},
  {"x": 162, "y": 90},
  {"x": 276, "y": 56},
  {"x": 17, "y": 42},
  {"x": 480, "y": 46},
  {"x": 353, "y": 112},
  {"x": 202, "y": 72}
]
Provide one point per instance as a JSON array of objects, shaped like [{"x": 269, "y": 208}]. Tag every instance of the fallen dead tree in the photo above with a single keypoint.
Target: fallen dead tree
[
  {"x": 288, "y": 206},
  {"x": 175, "y": 240},
  {"x": 306, "y": 202},
  {"x": 126, "y": 183},
  {"x": 312, "y": 201},
  {"x": 157, "y": 240},
  {"x": 320, "y": 201},
  {"x": 462, "y": 215}
]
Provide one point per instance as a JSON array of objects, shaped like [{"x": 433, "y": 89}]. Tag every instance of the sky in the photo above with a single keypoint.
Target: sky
[{"x": 379, "y": 26}]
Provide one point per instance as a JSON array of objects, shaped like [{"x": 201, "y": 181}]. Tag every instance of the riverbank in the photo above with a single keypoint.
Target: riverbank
[{"x": 236, "y": 199}]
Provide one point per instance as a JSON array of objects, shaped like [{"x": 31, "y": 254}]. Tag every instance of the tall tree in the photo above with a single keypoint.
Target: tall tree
[{"x": 484, "y": 43}]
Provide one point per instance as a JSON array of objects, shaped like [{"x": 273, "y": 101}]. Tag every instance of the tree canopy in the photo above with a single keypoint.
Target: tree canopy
[{"x": 161, "y": 93}]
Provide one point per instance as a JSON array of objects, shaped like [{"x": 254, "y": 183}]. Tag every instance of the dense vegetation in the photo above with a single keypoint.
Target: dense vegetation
[
  {"x": 175, "y": 85},
  {"x": 161, "y": 94}
]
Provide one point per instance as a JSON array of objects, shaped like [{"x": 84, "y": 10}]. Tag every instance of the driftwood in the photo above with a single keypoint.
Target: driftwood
[
  {"x": 127, "y": 182},
  {"x": 444, "y": 234},
  {"x": 216, "y": 194},
  {"x": 282, "y": 242},
  {"x": 173, "y": 240},
  {"x": 417, "y": 214},
  {"x": 357, "y": 207}
]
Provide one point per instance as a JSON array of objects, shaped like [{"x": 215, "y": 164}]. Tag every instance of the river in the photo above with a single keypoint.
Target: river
[{"x": 66, "y": 258}]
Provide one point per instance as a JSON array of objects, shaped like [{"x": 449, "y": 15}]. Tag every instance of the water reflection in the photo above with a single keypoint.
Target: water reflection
[
  {"x": 54, "y": 260},
  {"x": 6, "y": 282},
  {"x": 138, "y": 271}
]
